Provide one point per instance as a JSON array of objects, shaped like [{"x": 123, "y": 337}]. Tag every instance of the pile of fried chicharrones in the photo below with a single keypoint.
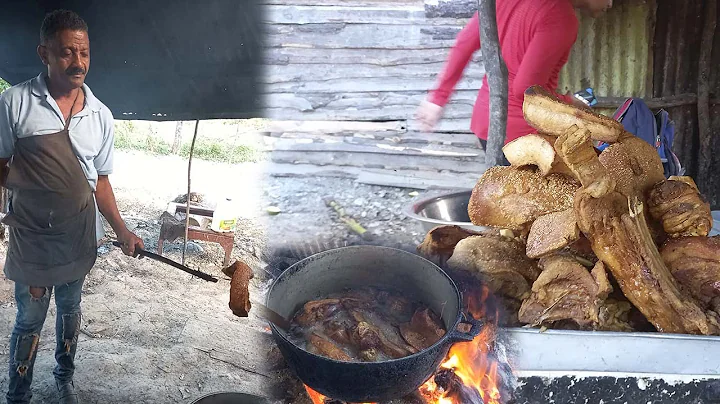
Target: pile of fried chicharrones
[{"x": 588, "y": 240}]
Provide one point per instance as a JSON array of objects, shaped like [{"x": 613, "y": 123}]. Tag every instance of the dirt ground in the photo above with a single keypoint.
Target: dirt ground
[{"x": 153, "y": 334}]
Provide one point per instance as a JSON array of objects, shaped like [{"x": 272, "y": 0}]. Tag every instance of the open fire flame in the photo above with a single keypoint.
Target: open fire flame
[
  {"x": 470, "y": 363},
  {"x": 470, "y": 374}
]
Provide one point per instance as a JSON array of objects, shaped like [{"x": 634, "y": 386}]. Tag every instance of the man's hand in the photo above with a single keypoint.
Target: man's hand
[
  {"x": 429, "y": 115},
  {"x": 129, "y": 243},
  {"x": 4, "y": 171}
]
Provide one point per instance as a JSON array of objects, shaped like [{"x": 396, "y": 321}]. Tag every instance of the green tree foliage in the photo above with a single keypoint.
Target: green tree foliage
[{"x": 4, "y": 85}]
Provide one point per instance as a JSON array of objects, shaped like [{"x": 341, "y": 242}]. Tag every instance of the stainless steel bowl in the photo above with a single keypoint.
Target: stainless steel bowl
[
  {"x": 449, "y": 209},
  {"x": 716, "y": 224}
]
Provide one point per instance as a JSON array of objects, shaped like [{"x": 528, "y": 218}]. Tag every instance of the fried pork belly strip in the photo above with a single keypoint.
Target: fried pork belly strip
[
  {"x": 239, "y": 293},
  {"x": 577, "y": 151},
  {"x": 440, "y": 242},
  {"x": 681, "y": 208},
  {"x": 547, "y": 114},
  {"x": 566, "y": 290},
  {"x": 500, "y": 262},
  {"x": 621, "y": 239},
  {"x": 634, "y": 164},
  {"x": 327, "y": 348},
  {"x": 551, "y": 233},
  {"x": 695, "y": 264},
  {"x": 536, "y": 150},
  {"x": 512, "y": 198}
]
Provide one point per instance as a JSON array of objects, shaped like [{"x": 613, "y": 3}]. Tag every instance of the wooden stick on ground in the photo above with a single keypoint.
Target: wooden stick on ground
[
  {"x": 350, "y": 222},
  {"x": 187, "y": 202},
  {"x": 497, "y": 80}
]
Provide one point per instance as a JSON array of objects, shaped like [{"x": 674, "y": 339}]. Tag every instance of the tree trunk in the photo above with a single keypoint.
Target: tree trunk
[
  {"x": 178, "y": 138},
  {"x": 497, "y": 81}
]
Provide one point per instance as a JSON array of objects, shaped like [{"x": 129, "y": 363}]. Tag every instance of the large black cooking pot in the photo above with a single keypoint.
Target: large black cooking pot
[
  {"x": 231, "y": 398},
  {"x": 362, "y": 266}
]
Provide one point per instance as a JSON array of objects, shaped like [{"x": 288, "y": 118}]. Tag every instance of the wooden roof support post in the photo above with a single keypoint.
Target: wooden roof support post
[
  {"x": 705, "y": 180},
  {"x": 497, "y": 81},
  {"x": 187, "y": 202}
]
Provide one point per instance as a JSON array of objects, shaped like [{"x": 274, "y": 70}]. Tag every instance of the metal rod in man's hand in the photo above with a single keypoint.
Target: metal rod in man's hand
[
  {"x": 143, "y": 253},
  {"x": 496, "y": 71}
]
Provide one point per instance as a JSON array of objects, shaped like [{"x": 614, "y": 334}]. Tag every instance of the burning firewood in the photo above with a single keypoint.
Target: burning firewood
[{"x": 455, "y": 389}]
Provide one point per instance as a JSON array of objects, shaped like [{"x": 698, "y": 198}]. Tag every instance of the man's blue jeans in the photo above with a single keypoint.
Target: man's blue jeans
[{"x": 31, "y": 313}]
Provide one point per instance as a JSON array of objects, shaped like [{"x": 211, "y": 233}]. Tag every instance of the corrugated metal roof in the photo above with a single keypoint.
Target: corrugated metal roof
[{"x": 612, "y": 52}]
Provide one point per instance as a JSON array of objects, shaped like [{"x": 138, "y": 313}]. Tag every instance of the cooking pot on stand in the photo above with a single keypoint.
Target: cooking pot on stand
[{"x": 335, "y": 270}]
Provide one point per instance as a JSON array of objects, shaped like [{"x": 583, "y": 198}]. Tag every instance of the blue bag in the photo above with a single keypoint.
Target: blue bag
[{"x": 656, "y": 129}]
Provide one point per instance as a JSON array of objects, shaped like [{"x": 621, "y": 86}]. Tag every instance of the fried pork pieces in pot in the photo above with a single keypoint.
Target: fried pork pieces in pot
[{"x": 366, "y": 325}]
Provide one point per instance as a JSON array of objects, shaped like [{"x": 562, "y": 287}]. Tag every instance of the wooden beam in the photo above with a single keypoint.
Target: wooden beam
[
  {"x": 380, "y": 14},
  {"x": 301, "y": 73},
  {"x": 364, "y": 85},
  {"x": 380, "y": 57},
  {"x": 380, "y": 161},
  {"x": 652, "y": 103},
  {"x": 450, "y": 9},
  {"x": 497, "y": 82},
  {"x": 451, "y": 152},
  {"x": 336, "y": 126},
  {"x": 376, "y": 106},
  {"x": 705, "y": 181},
  {"x": 360, "y": 36},
  {"x": 340, "y": 3}
]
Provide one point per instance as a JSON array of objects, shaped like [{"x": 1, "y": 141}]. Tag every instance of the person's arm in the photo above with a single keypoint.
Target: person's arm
[
  {"x": 108, "y": 207},
  {"x": 549, "y": 45},
  {"x": 466, "y": 44},
  {"x": 7, "y": 139},
  {"x": 104, "y": 194}
]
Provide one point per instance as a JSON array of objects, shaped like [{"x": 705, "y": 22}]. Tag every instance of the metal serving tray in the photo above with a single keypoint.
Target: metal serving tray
[
  {"x": 596, "y": 353},
  {"x": 557, "y": 352}
]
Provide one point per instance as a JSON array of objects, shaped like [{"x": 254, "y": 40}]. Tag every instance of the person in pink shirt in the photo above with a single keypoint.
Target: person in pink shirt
[{"x": 536, "y": 37}]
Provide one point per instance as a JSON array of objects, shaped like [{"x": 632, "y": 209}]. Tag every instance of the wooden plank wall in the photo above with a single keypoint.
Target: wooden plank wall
[{"x": 357, "y": 70}]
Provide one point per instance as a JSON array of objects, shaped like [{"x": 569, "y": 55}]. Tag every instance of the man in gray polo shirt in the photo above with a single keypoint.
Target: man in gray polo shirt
[{"x": 56, "y": 152}]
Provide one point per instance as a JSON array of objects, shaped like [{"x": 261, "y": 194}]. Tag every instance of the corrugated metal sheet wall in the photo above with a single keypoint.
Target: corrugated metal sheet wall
[
  {"x": 677, "y": 48},
  {"x": 677, "y": 45},
  {"x": 612, "y": 53},
  {"x": 650, "y": 49}
]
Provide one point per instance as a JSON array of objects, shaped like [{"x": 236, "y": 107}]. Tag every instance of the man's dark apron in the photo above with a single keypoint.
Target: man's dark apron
[{"x": 51, "y": 215}]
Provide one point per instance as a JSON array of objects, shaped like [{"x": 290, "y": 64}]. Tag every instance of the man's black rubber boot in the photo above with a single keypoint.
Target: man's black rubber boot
[{"x": 67, "y": 393}]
